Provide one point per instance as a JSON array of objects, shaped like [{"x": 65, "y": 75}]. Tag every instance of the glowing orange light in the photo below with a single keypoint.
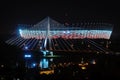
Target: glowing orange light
[{"x": 83, "y": 68}]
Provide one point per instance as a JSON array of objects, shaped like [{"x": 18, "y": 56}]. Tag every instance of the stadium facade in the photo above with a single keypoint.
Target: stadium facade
[
  {"x": 53, "y": 29},
  {"x": 49, "y": 34}
]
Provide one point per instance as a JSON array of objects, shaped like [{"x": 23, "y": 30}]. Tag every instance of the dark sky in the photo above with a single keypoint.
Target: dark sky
[{"x": 31, "y": 12}]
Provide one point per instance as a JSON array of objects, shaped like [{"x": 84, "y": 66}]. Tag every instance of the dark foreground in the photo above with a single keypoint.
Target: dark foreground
[
  {"x": 72, "y": 67},
  {"x": 66, "y": 68}
]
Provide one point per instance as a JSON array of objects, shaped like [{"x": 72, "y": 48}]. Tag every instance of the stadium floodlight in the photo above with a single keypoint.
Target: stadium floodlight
[{"x": 20, "y": 30}]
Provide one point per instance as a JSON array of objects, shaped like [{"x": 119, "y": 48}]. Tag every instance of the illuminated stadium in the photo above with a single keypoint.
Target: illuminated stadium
[{"x": 50, "y": 35}]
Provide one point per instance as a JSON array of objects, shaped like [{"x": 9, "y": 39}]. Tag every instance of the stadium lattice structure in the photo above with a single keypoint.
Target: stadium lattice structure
[{"x": 50, "y": 35}]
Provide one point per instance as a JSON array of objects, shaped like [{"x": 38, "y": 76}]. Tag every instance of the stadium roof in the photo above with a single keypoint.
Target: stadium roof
[
  {"x": 49, "y": 34},
  {"x": 42, "y": 25}
]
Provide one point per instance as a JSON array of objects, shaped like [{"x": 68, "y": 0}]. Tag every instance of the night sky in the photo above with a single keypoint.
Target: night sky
[{"x": 31, "y": 12}]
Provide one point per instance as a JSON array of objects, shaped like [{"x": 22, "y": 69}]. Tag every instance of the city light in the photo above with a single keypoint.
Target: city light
[
  {"x": 20, "y": 32},
  {"x": 44, "y": 63},
  {"x": 26, "y": 48},
  {"x": 34, "y": 64},
  {"x": 93, "y": 62},
  {"x": 83, "y": 67},
  {"x": 27, "y": 56}
]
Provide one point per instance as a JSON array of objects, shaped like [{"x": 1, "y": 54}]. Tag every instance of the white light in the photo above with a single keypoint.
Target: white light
[
  {"x": 44, "y": 63},
  {"x": 26, "y": 47},
  {"x": 34, "y": 64},
  {"x": 68, "y": 31},
  {"x": 47, "y": 51},
  {"x": 27, "y": 56},
  {"x": 44, "y": 53},
  {"x": 45, "y": 42},
  {"x": 93, "y": 62},
  {"x": 94, "y": 34},
  {"x": 20, "y": 31},
  {"x": 63, "y": 31}
]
